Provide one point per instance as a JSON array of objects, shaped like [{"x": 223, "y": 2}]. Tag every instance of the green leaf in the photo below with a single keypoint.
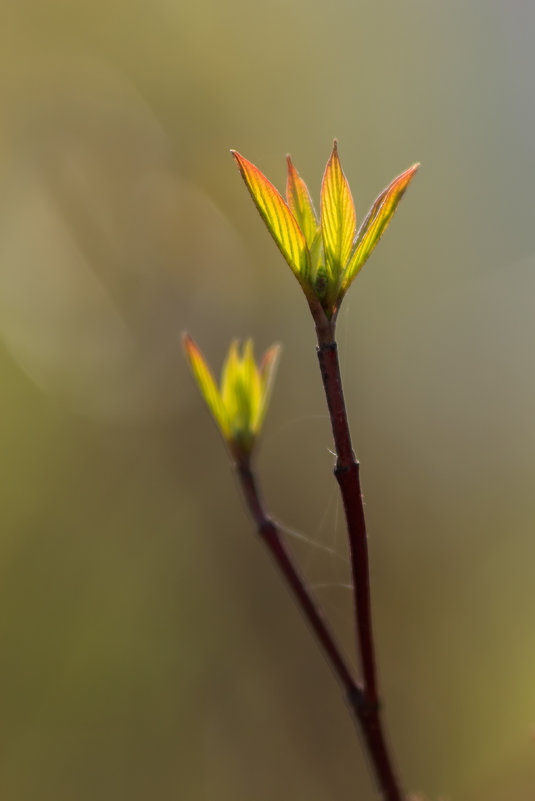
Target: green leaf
[
  {"x": 375, "y": 224},
  {"x": 338, "y": 219}
]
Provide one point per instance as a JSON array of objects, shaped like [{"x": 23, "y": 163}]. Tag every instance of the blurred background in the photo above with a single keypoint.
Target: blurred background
[{"x": 148, "y": 647}]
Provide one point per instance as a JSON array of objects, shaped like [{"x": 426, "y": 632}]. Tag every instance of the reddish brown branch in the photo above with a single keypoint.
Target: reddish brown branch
[
  {"x": 347, "y": 475},
  {"x": 364, "y": 700}
]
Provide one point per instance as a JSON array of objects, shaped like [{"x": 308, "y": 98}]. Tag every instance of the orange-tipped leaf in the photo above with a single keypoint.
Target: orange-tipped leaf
[
  {"x": 300, "y": 203},
  {"x": 338, "y": 219},
  {"x": 376, "y": 223},
  {"x": 279, "y": 219}
]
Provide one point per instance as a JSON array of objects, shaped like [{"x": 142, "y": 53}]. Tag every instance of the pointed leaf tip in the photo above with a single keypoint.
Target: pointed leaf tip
[{"x": 278, "y": 218}]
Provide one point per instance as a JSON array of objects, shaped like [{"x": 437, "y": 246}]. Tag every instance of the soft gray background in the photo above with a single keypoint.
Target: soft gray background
[{"x": 148, "y": 647}]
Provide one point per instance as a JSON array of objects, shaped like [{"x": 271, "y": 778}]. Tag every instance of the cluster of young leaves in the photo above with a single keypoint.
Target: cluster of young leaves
[
  {"x": 239, "y": 404},
  {"x": 324, "y": 256}
]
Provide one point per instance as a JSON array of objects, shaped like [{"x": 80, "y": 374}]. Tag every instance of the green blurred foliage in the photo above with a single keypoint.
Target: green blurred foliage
[{"x": 149, "y": 650}]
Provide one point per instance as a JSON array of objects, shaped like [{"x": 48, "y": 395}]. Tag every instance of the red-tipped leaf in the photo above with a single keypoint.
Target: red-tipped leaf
[{"x": 376, "y": 223}]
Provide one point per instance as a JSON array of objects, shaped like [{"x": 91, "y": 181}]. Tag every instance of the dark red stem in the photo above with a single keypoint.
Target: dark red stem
[{"x": 347, "y": 474}]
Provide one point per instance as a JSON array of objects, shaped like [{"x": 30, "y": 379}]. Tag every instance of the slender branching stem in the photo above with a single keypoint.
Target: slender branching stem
[
  {"x": 363, "y": 699},
  {"x": 270, "y": 534},
  {"x": 347, "y": 474}
]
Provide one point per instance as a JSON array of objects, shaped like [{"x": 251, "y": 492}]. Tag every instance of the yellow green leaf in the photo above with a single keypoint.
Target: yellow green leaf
[
  {"x": 279, "y": 219},
  {"x": 338, "y": 220},
  {"x": 247, "y": 389},
  {"x": 206, "y": 383},
  {"x": 300, "y": 203},
  {"x": 376, "y": 223},
  {"x": 230, "y": 374},
  {"x": 268, "y": 367},
  {"x": 236, "y": 391}
]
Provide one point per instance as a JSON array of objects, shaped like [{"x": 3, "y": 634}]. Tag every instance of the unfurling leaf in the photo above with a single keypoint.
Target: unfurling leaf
[
  {"x": 279, "y": 219},
  {"x": 376, "y": 222},
  {"x": 206, "y": 383},
  {"x": 300, "y": 203},
  {"x": 338, "y": 220},
  {"x": 268, "y": 367}
]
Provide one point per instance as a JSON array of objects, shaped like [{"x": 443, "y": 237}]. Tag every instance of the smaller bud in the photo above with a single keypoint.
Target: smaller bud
[{"x": 239, "y": 405}]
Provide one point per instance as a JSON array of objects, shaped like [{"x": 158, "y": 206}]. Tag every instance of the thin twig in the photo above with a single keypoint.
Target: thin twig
[
  {"x": 270, "y": 533},
  {"x": 347, "y": 474}
]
